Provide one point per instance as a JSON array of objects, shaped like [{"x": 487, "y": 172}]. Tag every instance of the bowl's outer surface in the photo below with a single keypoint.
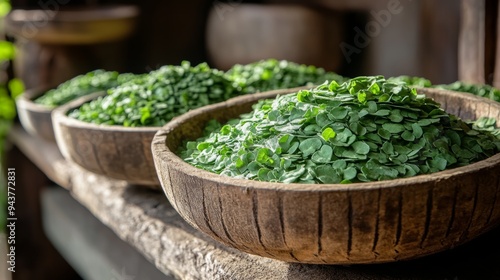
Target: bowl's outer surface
[
  {"x": 335, "y": 224},
  {"x": 118, "y": 152},
  {"x": 35, "y": 118}
]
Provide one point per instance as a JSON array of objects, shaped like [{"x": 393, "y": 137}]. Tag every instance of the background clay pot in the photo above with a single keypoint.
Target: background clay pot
[
  {"x": 35, "y": 118},
  {"x": 244, "y": 33},
  {"x": 370, "y": 222}
]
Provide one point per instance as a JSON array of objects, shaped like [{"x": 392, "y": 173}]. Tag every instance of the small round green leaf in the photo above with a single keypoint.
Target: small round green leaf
[{"x": 361, "y": 147}]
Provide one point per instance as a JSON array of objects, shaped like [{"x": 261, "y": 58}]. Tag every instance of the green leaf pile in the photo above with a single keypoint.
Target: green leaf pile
[
  {"x": 411, "y": 81},
  {"x": 476, "y": 89},
  {"x": 486, "y": 124},
  {"x": 273, "y": 74},
  {"x": 94, "y": 81},
  {"x": 366, "y": 129},
  {"x": 156, "y": 98}
]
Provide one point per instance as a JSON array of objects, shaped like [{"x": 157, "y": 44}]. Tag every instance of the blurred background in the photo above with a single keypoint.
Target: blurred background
[
  {"x": 51, "y": 41},
  {"x": 63, "y": 38}
]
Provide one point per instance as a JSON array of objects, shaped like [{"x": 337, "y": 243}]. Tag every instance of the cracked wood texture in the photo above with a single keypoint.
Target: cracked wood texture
[
  {"x": 332, "y": 224},
  {"x": 145, "y": 219},
  {"x": 122, "y": 153}
]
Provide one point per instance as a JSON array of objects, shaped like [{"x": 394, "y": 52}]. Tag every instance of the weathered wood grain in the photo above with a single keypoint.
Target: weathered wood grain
[
  {"x": 471, "y": 45},
  {"x": 122, "y": 153},
  {"x": 332, "y": 223}
]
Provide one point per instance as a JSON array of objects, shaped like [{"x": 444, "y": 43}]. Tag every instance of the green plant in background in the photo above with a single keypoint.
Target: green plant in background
[
  {"x": 476, "y": 89},
  {"x": 8, "y": 91},
  {"x": 365, "y": 129},
  {"x": 7, "y": 105},
  {"x": 411, "y": 81},
  {"x": 273, "y": 74},
  {"x": 94, "y": 81},
  {"x": 155, "y": 98},
  {"x": 5, "y": 7}
]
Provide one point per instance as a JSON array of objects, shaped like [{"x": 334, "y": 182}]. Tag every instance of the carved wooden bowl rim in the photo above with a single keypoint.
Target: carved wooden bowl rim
[
  {"x": 36, "y": 118},
  {"x": 26, "y": 100}
]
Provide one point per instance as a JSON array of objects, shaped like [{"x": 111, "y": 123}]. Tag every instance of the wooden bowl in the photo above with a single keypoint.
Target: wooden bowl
[
  {"x": 35, "y": 118},
  {"x": 122, "y": 153},
  {"x": 371, "y": 222}
]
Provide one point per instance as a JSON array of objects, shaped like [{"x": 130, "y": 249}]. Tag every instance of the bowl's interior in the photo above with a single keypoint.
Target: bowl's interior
[
  {"x": 35, "y": 93},
  {"x": 465, "y": 106}
]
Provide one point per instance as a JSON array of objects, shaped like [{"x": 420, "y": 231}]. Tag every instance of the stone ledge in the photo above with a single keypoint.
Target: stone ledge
[{"x": 144, "y": 219}]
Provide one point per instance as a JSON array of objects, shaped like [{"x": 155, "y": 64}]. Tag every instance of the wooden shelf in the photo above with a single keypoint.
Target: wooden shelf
[{"x": 144, "y": 219}]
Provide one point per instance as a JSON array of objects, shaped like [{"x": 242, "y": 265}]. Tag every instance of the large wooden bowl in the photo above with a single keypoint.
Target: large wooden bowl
[
  {"x": 373, "y": 222},
  {"x": 118, "y": 152},
  {"x": 35, "y": 118}
]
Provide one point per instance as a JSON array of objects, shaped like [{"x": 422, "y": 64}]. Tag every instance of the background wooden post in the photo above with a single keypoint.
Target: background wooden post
[
  {"x": 496, "y": 78},
  {"x": 471, "y": 43}
]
